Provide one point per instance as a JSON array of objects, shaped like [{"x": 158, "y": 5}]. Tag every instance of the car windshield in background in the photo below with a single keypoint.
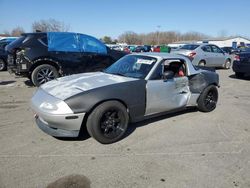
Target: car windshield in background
[
  {"x": 135, "y": 66},
  {"x": 189, "y": 47}
]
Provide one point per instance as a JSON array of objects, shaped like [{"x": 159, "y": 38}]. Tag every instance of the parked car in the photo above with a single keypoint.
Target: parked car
[
  {"x": 134, "y": 88},
  {"x": 44, "y": 56},
  {"x": 3, "y": 54},
  {"x": 206, "y": 55},
  {"x": 162, "y": 48},
  {"x": 241, "y": 64},
  {"x": 144, "y": 48},
  {"x": 228, "y": 50}
]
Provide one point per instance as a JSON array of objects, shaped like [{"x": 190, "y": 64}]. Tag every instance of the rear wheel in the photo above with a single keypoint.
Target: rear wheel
[
  {"x": 2, "y": 65},
  {"x": 227, "y": 64},
  {"x": 208, "y": 99},
  {"x": 202, "y": 63},
  {"x": 108, "y": 122},
  {"x": 43, "y": 73}
]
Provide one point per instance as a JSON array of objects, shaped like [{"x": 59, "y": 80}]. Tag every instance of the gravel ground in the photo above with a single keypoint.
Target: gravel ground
[{"x": 186, "y": 149}]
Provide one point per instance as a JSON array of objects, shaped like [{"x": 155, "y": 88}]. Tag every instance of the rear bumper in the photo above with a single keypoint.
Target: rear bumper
[{"x": 241, "y": 67}]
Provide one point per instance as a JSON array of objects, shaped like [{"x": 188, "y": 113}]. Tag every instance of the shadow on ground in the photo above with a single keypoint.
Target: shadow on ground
[
  {"x": 28, "y": 83},
  {"x": 71, "y": 181},
  {"x": 7, "y": 82},
  {"x": 246, "y": 77},
  {"x": 132, "y": 127}
]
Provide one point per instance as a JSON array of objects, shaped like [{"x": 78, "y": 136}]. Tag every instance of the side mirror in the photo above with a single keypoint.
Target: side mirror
[{"x": 167, "y": 75}]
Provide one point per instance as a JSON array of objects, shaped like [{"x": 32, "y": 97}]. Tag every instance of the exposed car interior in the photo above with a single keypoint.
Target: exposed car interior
[{"x": 174, "y": 68}]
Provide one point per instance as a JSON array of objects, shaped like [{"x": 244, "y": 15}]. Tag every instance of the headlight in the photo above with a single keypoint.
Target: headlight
[
  {"x": 48, "y": 106},
  {"x": 42, "y": 101}
]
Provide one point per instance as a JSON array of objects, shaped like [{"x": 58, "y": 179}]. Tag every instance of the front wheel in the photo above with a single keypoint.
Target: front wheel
[
  {"x": 43, "y": 73},
  {"x": 208, "y": 99},
  {"x": 108, "y": 122}
]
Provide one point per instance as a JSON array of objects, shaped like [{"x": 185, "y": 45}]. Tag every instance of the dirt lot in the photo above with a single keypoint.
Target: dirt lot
[{"x": 187, "y": 149}]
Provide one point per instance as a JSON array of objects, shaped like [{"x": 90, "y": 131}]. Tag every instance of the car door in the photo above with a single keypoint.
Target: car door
[
  {"x": 218, "y": 57},
  {"x": 207, "y": 54},
  {"x": 64, "y": 48},
  {"x": 164, "y": 95},
  {"x": 94, "y": 56}
]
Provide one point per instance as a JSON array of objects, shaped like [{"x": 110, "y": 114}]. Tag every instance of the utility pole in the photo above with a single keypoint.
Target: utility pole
[{"x": 158, "y": 34}]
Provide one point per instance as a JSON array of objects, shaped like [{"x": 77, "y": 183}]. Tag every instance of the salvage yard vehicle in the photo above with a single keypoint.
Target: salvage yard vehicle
[
  {"x": 241, "y": 64},
  {"x": 3, "y": 54},
  {"x": 45, "y": 56},
  {"x": 208, "y": 55},
  {"x": 136, "y": 87}
]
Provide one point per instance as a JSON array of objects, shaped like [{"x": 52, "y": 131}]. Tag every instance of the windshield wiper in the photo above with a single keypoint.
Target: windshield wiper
[{"x": 119, "y": 74}]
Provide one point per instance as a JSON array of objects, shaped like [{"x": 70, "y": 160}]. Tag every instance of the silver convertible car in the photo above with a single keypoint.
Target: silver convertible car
[{"x": 136, "y": 87}]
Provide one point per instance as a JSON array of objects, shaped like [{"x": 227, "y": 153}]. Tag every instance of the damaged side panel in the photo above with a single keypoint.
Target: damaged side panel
[{"x": 198, "y": 82}]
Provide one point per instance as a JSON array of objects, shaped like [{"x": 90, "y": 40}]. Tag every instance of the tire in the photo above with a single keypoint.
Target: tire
[
  {"x": 227, "y": 64},
  {"x": 43, "y": 73},
  {"x": 208, "y": 99},
  {"x": 202, "y": 63},
  {"x": 239, "y": 74},
  {"x": 3, "y": 65},
  {"x": 108, "y": 122}
]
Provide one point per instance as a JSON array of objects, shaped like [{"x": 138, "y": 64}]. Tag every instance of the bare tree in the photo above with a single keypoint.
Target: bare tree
[
  {"x": 49, "y": 25},
  {"x": 130, "y": 37},
  {"x": 16, "y": 32},
  {"x": 154, "y": 38}
]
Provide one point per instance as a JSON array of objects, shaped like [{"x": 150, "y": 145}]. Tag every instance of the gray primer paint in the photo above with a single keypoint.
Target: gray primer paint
[
  {"x": 132, "y": 93},
  {"x": 198, "y": 82}
]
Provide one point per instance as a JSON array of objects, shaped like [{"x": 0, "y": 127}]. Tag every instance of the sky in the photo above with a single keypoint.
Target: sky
[{"x": 113, "y": 17}]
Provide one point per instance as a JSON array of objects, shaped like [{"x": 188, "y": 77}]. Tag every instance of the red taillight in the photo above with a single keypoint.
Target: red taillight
[
  {"x": 236, "y": 58},
  {"x": 192, "y": 54}
]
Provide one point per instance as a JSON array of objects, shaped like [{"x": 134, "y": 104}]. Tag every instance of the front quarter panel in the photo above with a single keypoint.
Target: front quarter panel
[{"x": 132, "y": 94}]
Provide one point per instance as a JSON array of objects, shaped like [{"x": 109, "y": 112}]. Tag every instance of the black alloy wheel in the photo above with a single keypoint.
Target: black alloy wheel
[
  {"x": 111, "y": 123},
  {"x": 208, "y": 99},
  {"x": 108, "y": 122}
]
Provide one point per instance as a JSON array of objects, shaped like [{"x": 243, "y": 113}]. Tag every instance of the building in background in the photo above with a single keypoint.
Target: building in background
[
  {"x": 229, "y": 42},
  {"x": 221, "y": 42}
]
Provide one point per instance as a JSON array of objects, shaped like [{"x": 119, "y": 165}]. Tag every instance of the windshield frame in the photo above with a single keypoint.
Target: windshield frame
[{"x": 128, "y": 75}]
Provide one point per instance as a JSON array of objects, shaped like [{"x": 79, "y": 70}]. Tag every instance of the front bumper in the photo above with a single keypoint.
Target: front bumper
[
  {"x": 59, "y": 122},
  {"x": 241, "y": 67},
  {"x": 55, "y": 131}
]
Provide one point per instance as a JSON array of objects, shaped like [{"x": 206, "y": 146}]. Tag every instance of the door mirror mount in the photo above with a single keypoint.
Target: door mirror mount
[{"x": 167, "y": 75}]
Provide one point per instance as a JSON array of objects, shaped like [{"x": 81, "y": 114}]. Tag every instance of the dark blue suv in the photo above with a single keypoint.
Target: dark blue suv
[{"x": 45, "y": 56}]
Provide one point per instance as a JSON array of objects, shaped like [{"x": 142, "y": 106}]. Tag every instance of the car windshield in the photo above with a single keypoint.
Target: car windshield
[
  {"x": 189, "y": 46},
  {"x": 135, "y": 66}
]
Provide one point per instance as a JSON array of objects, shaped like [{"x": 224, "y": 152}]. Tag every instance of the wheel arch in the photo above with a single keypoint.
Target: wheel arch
[
  {"x": 43, "y": 61},
  {"x": 205, "y": 62},
  {"x": 101, "y": 102}
]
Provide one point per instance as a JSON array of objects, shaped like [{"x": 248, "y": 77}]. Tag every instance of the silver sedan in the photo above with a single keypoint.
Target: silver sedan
[{"x": 206, "y": 55}]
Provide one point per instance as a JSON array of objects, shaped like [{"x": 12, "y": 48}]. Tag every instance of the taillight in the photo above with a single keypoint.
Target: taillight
[
  {"x": 236, "y": 58},
  {"x": 192, "y": 54}
]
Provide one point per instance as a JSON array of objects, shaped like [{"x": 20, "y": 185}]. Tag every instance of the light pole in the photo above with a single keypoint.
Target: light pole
[{"x": 158, "y": 34}]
